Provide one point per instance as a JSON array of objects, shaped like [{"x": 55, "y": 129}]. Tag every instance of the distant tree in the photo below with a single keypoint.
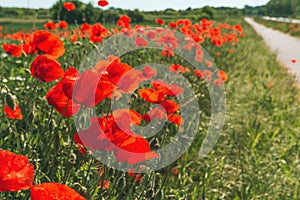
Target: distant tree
[
  {"x": 136, "y": 15},
  {"x": 283, "y": 8},
  {"x": 59, "y": 13},
  {"x": 90, "y": 13},
  {"x": 209, "y": 11},
  {"x": 105, "y": 16},
  {"x": 1, "y": 12}
]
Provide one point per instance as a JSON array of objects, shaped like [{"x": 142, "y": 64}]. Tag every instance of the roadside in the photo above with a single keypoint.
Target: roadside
[{"x": 286, "y": 47}]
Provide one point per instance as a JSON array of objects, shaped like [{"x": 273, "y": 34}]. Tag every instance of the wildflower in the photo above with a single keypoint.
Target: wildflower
[
  {"x": 44, "y": 42},
  {"x": 62, "y": 24},
  {"x": 53, "y": 191},
  {"x": 64, "y": 105},
  {"x": 141, "y": 42},
  {"x": 148, "y": 72},
  {"x": 69, "y": 6},
  {"x": 46, "y": 69},
  {"x": 50, "y": 25},
  {"x": 14, "y": 50},
  {"x": 13, "y": 114},
  {"x": 160, "y": 21},
  {"x": 103, "y": 3},
  {"x": 16, "y": 173},
  {"x": 175, "y": 171},
  {"x": 222, "y": 75},
  {"x": 176, "y": 119}
]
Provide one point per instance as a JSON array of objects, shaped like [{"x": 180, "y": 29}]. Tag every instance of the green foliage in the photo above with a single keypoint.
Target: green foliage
[
  {"x": 208, "y": 11},
  {"x": 59, "y": 13},
  {"x": 136, "y": 16},
  {"x": 283, "y": 8},
  {"x": 257, "y": 10}
]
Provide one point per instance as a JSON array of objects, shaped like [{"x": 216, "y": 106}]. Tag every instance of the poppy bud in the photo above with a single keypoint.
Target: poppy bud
[{"x": 11, "y": 101}]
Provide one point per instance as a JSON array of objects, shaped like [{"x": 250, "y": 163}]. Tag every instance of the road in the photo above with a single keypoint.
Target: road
[{"x": 286, "y": 47}]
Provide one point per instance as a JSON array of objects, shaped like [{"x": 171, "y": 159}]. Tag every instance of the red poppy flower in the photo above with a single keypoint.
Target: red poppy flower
[
  {"x": 44, "y": 42},
  {"x": 176, "y": 119},
  {"x": 62, "y": 24},
  {"x": 207, "y": 72},
  {"x": 54, "y": 191},
  {"x": 199, "y": 73},
  {"x": 155, "y": 113},
  {"x": 175, "y": 171},
  {"x": 218, "y": 82},
  {"x": 113, "y": 133},
  {"x": 125, "y": 19},
  {"x": 125, "y": 118},
  {"x": 151, "y": 35},
  {"x": 148, "y": 72},
  {"x": 222, "y": 75},
  {"x": 12, "y": 49},
  {"x": 136, "y": 177},
  {"x": 98, "y": 33},
  {"x": 230, "y": 51},
  {"x": 159, "y": 21},
  {"x": 69, "y": 6},
  {"x": 208, "y": 63},
  {"x": 172, "y": 25},
  {"x": 13, "y": 114},
  {"x": 151, "y": 95},
  {"x": 238, "y": 28},
  {"x": 134, "y": 150},
  {"x": 104, "y": 184},
  {"x": 217, "y": 41},
  {"x": 46, "y": 69},
  {"x": 16, "y": 173},
  {"x": 74, "y": 38},
  {"x": 61, "y": 102},
  {"x": 130, "y": 81},
  {"x": 27, "y": 49},
  {"x": 294, "y": 60},
  {"x": 170, "y": 106},
  {"x": 88, "y": 88},
  {"x": 178, "y": 68},
  {"x": 141, "y": 42},
  {"x": 81, "y": 149},
  {"x": 85, "y": 27},
  {"x": 50, "y": 25},
  {"x": 169, "y": 89},
  {"x": 103, "y": 3}
]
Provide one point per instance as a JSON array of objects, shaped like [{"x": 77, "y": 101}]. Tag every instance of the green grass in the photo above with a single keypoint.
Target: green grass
[
  {"x": 12, "y": 25},
  {"x": 292, "y": 29},
  {"x": 256, "y": 157}
]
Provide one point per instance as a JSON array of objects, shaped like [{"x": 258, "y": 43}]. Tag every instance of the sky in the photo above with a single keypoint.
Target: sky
[{"x": 145, "y": 5}]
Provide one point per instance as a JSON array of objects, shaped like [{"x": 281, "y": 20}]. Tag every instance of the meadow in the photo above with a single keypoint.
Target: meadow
[{"x": 256, "y": 155}]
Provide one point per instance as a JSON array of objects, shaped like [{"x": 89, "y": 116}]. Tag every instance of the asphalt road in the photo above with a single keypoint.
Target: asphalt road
[{"x": 286, "y": 47}]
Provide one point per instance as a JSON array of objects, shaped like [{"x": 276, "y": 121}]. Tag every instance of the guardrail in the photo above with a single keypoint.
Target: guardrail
[{"x": 282, "y": 19}]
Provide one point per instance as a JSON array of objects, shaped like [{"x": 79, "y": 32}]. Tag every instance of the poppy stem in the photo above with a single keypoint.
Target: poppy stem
[
  {"x": 67, "y": 173},
  {"x": 145, "y": 186},
  {"x": 88, "y": 171}
]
